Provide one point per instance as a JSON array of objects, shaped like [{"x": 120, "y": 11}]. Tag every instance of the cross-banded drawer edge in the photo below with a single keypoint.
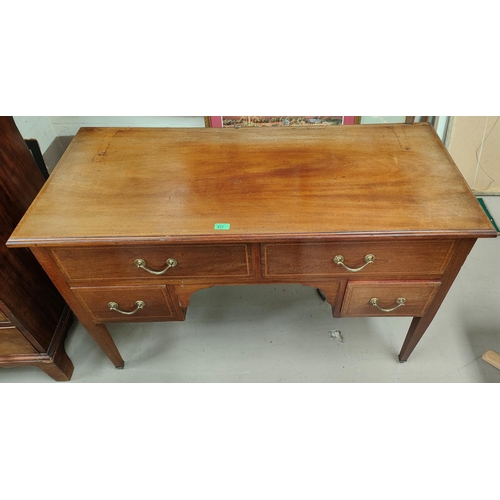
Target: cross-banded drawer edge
[
  {"x": 388, "y": 298},
  {"x": 129, "y": 303},
  {"x": 162, "y": 263},
  {"x": 370, "y": 258}
]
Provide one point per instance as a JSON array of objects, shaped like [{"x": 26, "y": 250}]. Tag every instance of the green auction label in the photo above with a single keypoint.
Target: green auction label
[{"x": 222, "y": 227}]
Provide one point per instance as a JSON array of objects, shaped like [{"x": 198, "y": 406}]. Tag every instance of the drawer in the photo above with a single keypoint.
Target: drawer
[
  {"x": 391, "y": 258},
  {"x": 12, "y": 342},
  {"x": 142, "y": 303},
  {"x": 361, "y": 296},
  {"x": 191, "y": 261}
]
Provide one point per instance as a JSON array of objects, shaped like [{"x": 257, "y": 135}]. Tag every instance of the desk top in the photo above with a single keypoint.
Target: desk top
[{"x": 125, "y": 185}]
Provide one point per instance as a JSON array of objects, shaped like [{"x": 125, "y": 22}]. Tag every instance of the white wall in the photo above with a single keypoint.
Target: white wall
[
  {"x": 69, "y": 125},
  {"x": 442, "y": 127},
  {"x": 46, "y": 128},
  {"x": 382, "y": 119},
  {"x": 36, "y": 127},
  {"x": 441, "y": 122}
]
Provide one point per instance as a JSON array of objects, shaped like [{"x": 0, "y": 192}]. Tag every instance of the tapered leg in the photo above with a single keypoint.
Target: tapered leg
[
  {"x": 101, "y": 335},
  {"x": 417, "y": 329},
  {"x": 419, "y": 325},
  {"x": 98, "y": 332}
]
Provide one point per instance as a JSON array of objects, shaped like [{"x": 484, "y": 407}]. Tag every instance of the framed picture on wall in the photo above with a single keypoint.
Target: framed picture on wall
[{"x": 277, "y": 121}]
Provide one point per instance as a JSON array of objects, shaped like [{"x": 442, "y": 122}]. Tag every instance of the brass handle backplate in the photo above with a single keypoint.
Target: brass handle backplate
[
  {"x": 400, "y": 302},
  {"x": 141, "y": 264},
  {"x": 140, "y": 304},
  {"x": 339, "y": 260}
]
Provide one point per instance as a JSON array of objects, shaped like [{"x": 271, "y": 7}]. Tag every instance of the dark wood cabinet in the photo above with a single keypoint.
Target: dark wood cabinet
[{"x": 34, "y": 318}]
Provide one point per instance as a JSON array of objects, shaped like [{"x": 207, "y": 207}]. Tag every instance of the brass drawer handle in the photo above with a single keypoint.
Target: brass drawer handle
[
  {"x": 140, "y": 304},
  {"x": 339, "y": 260},
  {"x": 400, "y": 302},
  {"x": 141, "y": 264}
]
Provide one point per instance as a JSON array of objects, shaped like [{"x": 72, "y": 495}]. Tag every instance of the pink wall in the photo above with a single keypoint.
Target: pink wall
[{"x": 216, "y": 121}]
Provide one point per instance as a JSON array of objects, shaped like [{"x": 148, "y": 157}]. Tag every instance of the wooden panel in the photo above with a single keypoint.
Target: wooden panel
[
  {"x": 12, "y": 341},
  {"x": 391, "y": 258},
  {"x": 193, "y": 261},
  {"x": 25, "y": 290},
  {"x": 158, "y": 306},
  {"x": 3, "y": 318},
  {"x": 492, "y": 357},
  {"x": 117, "y": 185},
  {"x": 418, "y": 295}
]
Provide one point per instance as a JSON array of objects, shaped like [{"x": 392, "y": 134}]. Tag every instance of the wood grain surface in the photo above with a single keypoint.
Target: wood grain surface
[
  {"x": 34, "y": 313},
  {"x": 164, "y": 185}
]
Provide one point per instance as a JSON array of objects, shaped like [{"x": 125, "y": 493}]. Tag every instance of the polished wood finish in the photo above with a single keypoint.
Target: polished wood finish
[
  {"x": 29, "y": 302},
  {"x": 97, "y": 331},
  {"x": 162, "y": 186},
  {"x": 193, "y": 261},
  {"x": 12, "y": 341},
  {"x": 419, "y": 325},
  {"x": 392, "y": 259},
  {"x": 291, "y": 199},
  {"x": 418, "y": 296},
  {"x": 157, "y": 299}
]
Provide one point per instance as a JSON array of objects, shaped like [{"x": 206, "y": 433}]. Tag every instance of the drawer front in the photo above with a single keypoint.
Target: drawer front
[
  {"x": 12, "y": 341},
  {"x": 390, "y": 258},
  {"x": 369, "y": 298},
  {"x": 143, "y": 303},
  {"x": 191, "y": 261}
]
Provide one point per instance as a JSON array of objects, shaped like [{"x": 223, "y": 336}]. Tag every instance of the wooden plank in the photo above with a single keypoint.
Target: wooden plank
[
  {"x": 173, "y": 184},
  {"x": 492, "y": 357}
]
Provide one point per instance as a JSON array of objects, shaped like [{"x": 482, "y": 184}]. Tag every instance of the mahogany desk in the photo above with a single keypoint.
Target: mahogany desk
[{"x": 133, "y": 221}]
